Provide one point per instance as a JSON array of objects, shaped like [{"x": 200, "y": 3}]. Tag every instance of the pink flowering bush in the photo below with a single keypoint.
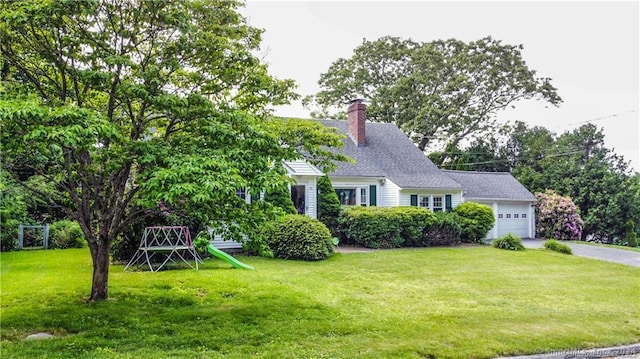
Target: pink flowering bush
[{"x": 557, "y": 217}]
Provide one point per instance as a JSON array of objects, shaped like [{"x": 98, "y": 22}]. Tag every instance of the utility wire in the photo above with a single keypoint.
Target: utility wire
[
  {"x": 509, "y": 160},
  {"x": 554, "y": 136}
]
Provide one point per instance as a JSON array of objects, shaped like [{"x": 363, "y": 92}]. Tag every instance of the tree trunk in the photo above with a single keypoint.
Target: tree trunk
[
  {"x": 423, "y": 142},
  {"x": 100, "y": 282}
]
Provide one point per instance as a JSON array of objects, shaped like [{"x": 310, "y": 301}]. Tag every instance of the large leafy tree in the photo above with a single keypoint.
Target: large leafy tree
[
  {"x": 577, "y": 164},
  {"x": 122, "y": 103},
  {"x": 483, "y": 154},
  {"x": 440, "y": 93}
]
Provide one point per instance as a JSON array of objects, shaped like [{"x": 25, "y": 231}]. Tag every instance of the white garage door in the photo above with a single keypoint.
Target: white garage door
[{"x": 513, "y": 218}]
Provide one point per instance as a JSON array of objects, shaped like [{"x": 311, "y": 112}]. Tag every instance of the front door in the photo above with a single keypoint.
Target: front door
[{"x": 298, "y": 198}]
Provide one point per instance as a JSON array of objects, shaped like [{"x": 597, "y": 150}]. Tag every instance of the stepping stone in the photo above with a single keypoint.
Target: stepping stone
[{"x": 37, "y": 336}]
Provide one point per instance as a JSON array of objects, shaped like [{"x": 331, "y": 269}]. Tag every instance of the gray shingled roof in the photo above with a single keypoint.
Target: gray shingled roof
[
  {"x": 491, "y": 185},
  {"x": 389, "y": 153}
]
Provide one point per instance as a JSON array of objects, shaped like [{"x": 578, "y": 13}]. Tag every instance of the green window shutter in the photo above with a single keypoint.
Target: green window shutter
[
  {"x": 447, "y": 202},
  {"x": 414, "y": 200},
  {"x": 373, "y": 195}
]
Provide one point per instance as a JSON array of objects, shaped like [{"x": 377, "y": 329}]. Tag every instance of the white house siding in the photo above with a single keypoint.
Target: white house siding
[
  {"x": 509, "y": 218},
  {"x": 220, "y": 243},
  {"x": 389, "y": 194}
]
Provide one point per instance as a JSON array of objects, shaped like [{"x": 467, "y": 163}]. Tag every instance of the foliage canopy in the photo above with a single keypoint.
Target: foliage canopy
[
  {"x": 439, "y": 92},
  {"x": 122, "y": 104}
]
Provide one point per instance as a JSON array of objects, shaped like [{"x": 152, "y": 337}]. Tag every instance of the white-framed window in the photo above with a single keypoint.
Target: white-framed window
[
  {"x": 347, "y": 196},
  {"x": 364, "y": 196},
  {"x": 242, "y": 192},
  {"x": 516, "y": 215},
  {"x": 508, "y": 215},
  {"x": 353, "y": 196},
  {"x": 438, "y": 204},
  {"x": 500, "y": 215},
  {"x": 424, "y": 202},
  {"x": 524, "y": 215}
]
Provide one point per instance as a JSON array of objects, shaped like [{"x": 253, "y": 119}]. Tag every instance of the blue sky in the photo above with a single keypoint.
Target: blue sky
[{"x": 589, "y": 49}]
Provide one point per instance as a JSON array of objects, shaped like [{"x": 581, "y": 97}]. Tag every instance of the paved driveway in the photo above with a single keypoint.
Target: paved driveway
[{"x": 622, "y": 256}]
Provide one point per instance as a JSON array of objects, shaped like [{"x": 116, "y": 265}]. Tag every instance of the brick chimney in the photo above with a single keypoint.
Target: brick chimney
[{"x": 355, "y": 126}]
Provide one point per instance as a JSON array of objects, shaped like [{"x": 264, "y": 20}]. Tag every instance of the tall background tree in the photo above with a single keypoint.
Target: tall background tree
[
  {"x": 122, "y": 104},
  {"x": 440, "y": 93},
  {"x": 575, "y": 163},
  {"x": 579, "y": 165}
]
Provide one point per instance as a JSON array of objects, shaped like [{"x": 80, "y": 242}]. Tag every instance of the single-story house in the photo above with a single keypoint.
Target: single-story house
[
  {"x": 512, "y": 203},
  {"x": 389, "y": 170}
]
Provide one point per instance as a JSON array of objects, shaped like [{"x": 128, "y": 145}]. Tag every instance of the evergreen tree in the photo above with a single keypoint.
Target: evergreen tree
[{"x": 328, "y": 204}]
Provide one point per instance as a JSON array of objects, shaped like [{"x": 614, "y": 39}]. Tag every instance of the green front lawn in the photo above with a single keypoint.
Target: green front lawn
[{"x": 411, "y": 303}]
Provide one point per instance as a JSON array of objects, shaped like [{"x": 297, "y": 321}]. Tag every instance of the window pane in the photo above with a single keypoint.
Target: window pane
[
  {"x": 437, "y": 204},
  {"x": 298, "y": 198},
  {"x": 241, "y": 192},
  {"x": 363, "y": 196},
  {"x": 424, "y": 202},
  {"x": 347, "y": 196}
]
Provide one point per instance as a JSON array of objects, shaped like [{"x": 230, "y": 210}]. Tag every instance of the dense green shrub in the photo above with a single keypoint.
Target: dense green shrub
[
  {"x": 443, "y": 229},
  {"x": 554, "y": 245},
  {"x": 281, "y": 197},
  {"x": 412, "y": 221},
  {"x": 371, "y": 227},
  {"x": 631, "y": 238},
  {"x": 257, "y": 243},
  {"x": 509, "y": 241},
  {"x": 66, "y": 234},
  {"x": 379, "y": 227},
  {"x": 299, "y": 237},
  {"x": 329, "y": 207},
  {"x": 557, "y": 217},
  {"x": 476, "y": 220},
  {"x": 13, "y": 211}
]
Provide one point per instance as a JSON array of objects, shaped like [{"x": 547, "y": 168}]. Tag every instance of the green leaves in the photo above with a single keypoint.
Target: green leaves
[
  {"x": 439, "y": 92},
  {"x": 578, "y": 165},
  {"x": 131, "y": 102}
]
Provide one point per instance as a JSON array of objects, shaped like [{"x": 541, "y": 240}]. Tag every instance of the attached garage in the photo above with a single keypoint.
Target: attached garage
[
  {"x": 512, "y": 203},
  {"x": 511, "y": 217}
]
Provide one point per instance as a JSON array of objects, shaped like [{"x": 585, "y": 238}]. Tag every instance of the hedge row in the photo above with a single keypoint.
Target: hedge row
[
  {"x": 300, "y": 237},
  {"x": 378, "y": 227}
]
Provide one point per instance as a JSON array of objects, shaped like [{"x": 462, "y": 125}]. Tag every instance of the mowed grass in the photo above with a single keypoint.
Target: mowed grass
[{"x": 475, "y": 302}]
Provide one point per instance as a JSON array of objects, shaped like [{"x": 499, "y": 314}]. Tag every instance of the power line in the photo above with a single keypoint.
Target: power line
[
  {"x": 554, "y": 136},
  {"x": 508, "y": 160},
  {"x": 601, "y": 118}
]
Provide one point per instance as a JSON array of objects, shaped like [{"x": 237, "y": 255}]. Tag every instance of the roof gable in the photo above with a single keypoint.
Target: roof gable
[
  {"x": 491, "y": 185},
  {"x": 301, "y": 168},
  {"x": 389, "y": 153}
]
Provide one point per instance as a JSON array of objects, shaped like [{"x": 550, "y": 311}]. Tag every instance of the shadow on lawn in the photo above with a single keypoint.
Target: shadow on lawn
[{"x": 163, "y": 318}]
